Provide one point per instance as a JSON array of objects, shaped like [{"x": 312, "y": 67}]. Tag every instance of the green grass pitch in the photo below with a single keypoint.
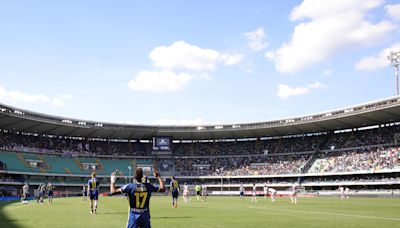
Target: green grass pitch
[{"x": 216, "y": 212}]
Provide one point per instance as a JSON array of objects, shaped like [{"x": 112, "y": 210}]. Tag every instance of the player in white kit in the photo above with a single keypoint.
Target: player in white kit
[
  {"x": 347, "y": 192},
  {"x": 265, "y": 191},
  {"x": 293, "y": 195},
  {"x": 204, "y": 193},
  {"x": 341, "y": 190},
  {"x": 254, "y": 197},
  {"x": 185, "y": 193},
  {"x": 25, "y": 192},
  {"x": 272, "y": 193}
]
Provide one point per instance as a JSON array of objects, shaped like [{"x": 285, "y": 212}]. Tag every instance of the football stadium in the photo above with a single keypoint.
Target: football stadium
[
  {"x": 200, "y": 135},
  {"x": 345, "y": 164}
]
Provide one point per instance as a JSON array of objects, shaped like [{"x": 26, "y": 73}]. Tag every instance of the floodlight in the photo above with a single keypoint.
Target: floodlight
[{"x": 394, "y": 58}]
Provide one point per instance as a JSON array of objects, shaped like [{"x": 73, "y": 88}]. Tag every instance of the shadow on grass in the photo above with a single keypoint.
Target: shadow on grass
[
  {"x": 4, "y": 220},
  {"x": 172, "y": 217}
]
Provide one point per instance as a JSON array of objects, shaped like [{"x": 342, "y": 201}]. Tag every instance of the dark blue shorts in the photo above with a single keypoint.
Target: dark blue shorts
[
  {"x": 94, "y": 195},
  {"x": 175, "y": 193},
  {"x": 141, "y": 220},
  {"x": 51, "y": 194}
]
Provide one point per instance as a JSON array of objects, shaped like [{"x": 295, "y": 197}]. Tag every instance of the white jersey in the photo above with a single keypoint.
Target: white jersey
[
  {"x": 265, "y": 190},
  {"x": 185, "y": 188},
  {"x": 271, "y": 190},
  {"x": 341, "y": 189},
  {"x": 241, "y": 189},
  {"x": 347, "y": 191},
  {"x": 25, "y": 189},
  {"x": 254, "y": 190},
  {"x": 294, "y": 189}
]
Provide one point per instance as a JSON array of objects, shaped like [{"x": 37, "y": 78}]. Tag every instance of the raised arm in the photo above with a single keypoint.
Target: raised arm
[
  {"x": 113, "y": 189},
  {"x": 160, "y": 181}
]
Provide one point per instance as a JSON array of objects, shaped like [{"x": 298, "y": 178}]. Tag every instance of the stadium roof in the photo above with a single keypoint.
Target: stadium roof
[{"x": 369, "y": 114}]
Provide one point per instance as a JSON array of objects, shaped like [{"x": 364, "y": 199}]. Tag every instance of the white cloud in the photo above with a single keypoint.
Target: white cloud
[
  {"x": 230, "y": 60},
  {"x": 393, "y": 11},
  {"x": 327, "y": 28},
  {"x": 57, "y": 101},
  {"x": 285, "y": 91},
  {"x": 25, "y": 97},
  {"x": 3, "y": 92},
  {"x": 376, "y": 61},
  {"x": 196, "y": 122},
  {"x": 316, "y": 85},
  {"x": 181, "y": 55},
  {"x": 15, "y": 96},
  {"x": 162, "y": 81},
  {"x": 255, "y": 39}
]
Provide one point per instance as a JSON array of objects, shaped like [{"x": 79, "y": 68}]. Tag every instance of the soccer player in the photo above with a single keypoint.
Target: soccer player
[
  {"x": 241, "y": 190},
  {"x": 174, "y": 187},
  {"x": 198, "y": 191},
  {"x": 41, "y": 189},
  {"x": 341, "y": 189},
  {"x": 93, "y": 187},
  {"x": 265, "y": 191},
  {"x": 293, "y": 195},
  {"x": 185, "y": 193},
  {"x": 139, "y": 198},
  {"x": 38, "y": 198},
  {"x": 25, "y": 192},
  {"x": 50, "y": 194},
  {"x": 254, "y": 197},
  {"x": 84, "y": 193},
  {"x": 204, "y": 193},
  {"x": 272, "y": 192},
  {"x": 347, "y": 192}
]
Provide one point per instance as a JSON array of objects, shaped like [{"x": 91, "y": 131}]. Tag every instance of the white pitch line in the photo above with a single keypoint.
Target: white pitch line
[{"x": 329, "y": 213}]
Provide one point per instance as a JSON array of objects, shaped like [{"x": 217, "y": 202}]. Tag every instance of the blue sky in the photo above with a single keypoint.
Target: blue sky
[{"x": 199, "y": 62}]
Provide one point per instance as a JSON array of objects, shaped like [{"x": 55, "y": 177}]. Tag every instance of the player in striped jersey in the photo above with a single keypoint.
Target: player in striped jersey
[
  {"x": 50, "y": 194},
  {"x": 139, "y": 194},
  {"x": 93, "y": 188},
  {"x": 174, "y": 187}
]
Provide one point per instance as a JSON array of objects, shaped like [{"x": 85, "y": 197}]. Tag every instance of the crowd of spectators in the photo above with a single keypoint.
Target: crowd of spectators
[
  {"x": 70, "y": 147},
  {"x": 358, "y": 160},
  {"x": 265, "y": 156},
  {"x": 376, "y": 136},
  {"x": 353, "y": 178},
  {"x": 273, "y": 145},
  {"x": 219, "y": 148},
  {"x": 240, "y": 165}
]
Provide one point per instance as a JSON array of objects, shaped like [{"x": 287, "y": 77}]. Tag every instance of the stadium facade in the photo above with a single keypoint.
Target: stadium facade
[{"x": 356, "y": 146}]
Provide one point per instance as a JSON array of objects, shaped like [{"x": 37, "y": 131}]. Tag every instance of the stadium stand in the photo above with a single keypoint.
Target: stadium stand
[{"x": 317, "y": 159}]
